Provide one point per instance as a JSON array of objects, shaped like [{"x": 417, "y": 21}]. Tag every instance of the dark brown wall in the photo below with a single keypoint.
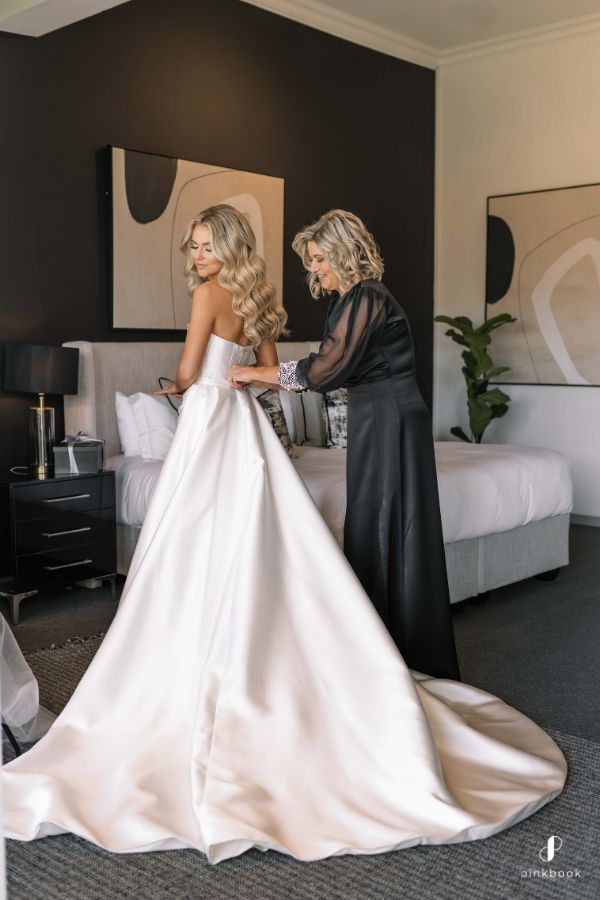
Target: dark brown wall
[{"x": 222, "y": 83}]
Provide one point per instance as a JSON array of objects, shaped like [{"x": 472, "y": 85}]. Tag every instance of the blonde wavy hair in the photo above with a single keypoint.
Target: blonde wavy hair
[
  {"x": 351, "y": 248},
  {"x": 243, "y": 273}
]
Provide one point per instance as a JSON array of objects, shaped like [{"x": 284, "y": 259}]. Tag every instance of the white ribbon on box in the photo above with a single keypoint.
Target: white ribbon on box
[{"x": 80, "y": 438}]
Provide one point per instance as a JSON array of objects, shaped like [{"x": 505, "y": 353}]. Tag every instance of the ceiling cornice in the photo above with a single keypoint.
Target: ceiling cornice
[
  {"x": 526, "y": 38},
  {"x": 351, "y": 28}
]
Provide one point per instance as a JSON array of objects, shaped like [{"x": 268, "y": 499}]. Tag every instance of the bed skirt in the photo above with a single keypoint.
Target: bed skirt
[{"x": 474, "y": 566}]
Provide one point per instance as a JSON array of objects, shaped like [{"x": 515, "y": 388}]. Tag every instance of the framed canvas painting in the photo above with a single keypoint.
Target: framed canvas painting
[
  {"x": 152, "y": 200},
  {"x": 543, "y": 266}
]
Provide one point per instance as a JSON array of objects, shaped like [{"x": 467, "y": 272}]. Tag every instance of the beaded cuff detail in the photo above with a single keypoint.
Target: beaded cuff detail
[{"x": 288, "y": 378}]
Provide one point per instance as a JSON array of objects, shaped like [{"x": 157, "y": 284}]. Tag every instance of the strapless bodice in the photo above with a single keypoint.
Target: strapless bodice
[{"x": 220, "y": 355}]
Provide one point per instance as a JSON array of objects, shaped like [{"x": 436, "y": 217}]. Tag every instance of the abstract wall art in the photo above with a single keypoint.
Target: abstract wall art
[
  {"x": 152, "y": 200},
  {"x": 543, "y": 266}
]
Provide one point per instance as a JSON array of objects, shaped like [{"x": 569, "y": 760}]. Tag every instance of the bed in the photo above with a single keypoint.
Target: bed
[{"x": 505, "y": 508}]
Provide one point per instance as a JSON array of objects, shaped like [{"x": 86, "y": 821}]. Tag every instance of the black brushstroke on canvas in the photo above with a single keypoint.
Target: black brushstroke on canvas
[
  {"x": 149, "y": 181},
  {"x": 500, "y": 259}
]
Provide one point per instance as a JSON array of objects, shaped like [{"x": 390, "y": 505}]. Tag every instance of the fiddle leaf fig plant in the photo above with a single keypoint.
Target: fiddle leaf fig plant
[{"x": 483, "y": 403}]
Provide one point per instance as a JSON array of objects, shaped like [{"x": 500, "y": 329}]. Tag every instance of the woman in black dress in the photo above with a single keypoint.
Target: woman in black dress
[{"x": 392, "y": 533}]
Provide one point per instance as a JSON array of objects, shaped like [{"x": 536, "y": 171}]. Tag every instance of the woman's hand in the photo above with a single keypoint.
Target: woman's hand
[
  {"x": 171, "y": 389},
  {"x": 241, "y": 376},
  {"x": 262, "y": 376}
]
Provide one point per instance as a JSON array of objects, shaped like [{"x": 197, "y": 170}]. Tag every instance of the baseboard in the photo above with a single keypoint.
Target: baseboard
[{"x": 593, "y": 521}]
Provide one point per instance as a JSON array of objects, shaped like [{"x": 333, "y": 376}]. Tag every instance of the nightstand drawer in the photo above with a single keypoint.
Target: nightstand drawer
[
  {"x": 66, "y": 530},
  {"x": 41, "y": 500},
  {"x": 67, "y": 564}
]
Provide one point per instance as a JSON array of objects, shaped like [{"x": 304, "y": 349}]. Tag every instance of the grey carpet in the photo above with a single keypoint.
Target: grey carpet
[
  {"x": 57, "y": 614},
  {"x": 68, "y": 868},
  {"x": 535, "y": 643}
]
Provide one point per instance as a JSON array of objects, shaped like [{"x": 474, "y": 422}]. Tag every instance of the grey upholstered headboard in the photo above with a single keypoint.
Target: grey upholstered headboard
[{"x": 105, "y": 368}]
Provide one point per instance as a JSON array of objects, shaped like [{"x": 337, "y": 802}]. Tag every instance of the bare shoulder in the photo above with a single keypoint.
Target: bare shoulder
[{"x": 210, "y": 294}]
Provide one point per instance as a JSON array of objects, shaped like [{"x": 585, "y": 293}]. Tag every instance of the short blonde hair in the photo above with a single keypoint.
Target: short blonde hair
[
  {"x": 243, "y": 273},
  {"x": 351, "y": 248}
]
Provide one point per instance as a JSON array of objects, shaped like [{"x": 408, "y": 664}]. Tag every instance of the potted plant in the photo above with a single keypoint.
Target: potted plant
[{"x": 484, "y": 403}]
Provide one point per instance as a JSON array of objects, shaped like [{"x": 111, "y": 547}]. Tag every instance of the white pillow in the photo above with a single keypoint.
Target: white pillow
[
  {"x": 128, "y": 433},
  {"x": 146, "y": 424}
]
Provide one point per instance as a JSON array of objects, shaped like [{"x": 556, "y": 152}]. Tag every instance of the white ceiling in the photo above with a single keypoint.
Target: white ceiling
[
  {"x": 429, "y": 32},
  {"x": 444, "y": 24},
  {"x": 37, "y": 17},
  {"x": 434, "y": 33}
]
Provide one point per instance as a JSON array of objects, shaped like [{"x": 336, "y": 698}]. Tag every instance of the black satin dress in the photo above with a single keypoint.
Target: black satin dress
[{"x": 393, "y": 531}]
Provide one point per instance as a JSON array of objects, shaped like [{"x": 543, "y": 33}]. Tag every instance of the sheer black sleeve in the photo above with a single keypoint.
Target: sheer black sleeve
[{"x": 352, "y": 327}]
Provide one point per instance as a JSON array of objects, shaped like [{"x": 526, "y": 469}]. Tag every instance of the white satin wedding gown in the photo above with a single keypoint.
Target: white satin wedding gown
[{"x": 247, "y": 693}]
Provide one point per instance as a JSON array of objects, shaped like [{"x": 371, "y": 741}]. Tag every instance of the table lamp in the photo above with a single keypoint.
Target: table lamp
[{"x": 37, "y": 369}]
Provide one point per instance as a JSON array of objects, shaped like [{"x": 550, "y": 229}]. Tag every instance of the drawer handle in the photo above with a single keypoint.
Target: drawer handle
[
  {"x": 81, "y": 562},
  {"x": 68, "y": 497},
  {"x": 70, "y": 531}
]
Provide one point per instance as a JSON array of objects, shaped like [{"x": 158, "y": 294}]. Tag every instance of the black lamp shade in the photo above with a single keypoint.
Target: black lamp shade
[{"x": 39, "y": 369}]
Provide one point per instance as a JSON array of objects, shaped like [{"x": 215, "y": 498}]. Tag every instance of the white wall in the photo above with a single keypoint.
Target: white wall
[{"x": 517, "y": 120}]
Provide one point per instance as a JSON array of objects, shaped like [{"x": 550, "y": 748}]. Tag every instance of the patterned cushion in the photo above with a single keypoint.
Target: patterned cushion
[
  {"x": 335, "y": 413},
  {"x": 271, "y": 403}
]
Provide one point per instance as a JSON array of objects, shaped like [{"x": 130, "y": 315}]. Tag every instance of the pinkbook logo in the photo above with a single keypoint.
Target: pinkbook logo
[
  {"x": 547, "y": 854},
  {"x": 553, "y": 845}
]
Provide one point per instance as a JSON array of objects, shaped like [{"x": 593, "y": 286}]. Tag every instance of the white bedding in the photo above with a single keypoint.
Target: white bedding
[{"x": 483, "y": 488}]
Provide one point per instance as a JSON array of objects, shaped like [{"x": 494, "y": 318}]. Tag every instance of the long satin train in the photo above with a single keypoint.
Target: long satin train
[{"x": 247, "y": 693}]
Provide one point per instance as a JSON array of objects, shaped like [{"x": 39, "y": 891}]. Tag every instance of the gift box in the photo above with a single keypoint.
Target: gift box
[{"x": 79, "y": 455}]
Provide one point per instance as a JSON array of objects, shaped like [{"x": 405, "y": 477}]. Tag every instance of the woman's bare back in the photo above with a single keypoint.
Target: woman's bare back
[{"x": 227, "y": 324}]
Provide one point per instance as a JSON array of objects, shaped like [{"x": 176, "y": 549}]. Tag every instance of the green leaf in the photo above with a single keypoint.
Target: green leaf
[
  {"x": 482, "y": 360},
  {"x": 496, "y": 396},
  {"x": 459, "y": 433},
  {"x": 457, "y": 338},
  {"x": 463, "y": 323},
  {"x": 480, "y": 340},
  {"x": 480, "y": 416},
  {"x": 495, "y": 322},
  {"x": 500, "y": 410},
  {"x": 497, "y": 370},
  {"x": 470, "y": 362}
]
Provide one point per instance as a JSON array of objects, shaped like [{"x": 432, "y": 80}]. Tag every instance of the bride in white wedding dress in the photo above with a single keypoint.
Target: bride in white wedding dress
[{"x": 247, "y": 693}]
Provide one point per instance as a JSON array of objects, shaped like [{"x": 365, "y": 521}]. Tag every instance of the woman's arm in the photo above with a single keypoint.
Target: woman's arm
[
  {"x": 202, "y": 320},
  {"x": 363, "y": 313},
  {"x": 266, "y": 355},
  {"x": 342, "y": 349}
]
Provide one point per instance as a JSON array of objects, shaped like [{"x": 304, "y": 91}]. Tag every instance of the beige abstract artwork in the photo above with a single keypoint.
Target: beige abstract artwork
[
  {"x": 153, "y": 199},
  {"x": 543, "y": 266}
]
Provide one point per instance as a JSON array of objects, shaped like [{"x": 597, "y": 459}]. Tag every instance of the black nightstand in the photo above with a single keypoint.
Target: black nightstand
[{"x": 55, "y": 531}]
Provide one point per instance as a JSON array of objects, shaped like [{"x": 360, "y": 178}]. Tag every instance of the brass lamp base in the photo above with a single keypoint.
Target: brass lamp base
[{"x": 41, "y": 439}]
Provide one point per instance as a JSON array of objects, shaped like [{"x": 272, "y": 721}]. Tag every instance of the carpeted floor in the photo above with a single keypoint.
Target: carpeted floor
[{"x": 534, "y": 644}]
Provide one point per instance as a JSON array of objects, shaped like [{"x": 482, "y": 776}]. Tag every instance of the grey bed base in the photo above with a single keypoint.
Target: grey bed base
[{"x": 474, "y": 566}]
